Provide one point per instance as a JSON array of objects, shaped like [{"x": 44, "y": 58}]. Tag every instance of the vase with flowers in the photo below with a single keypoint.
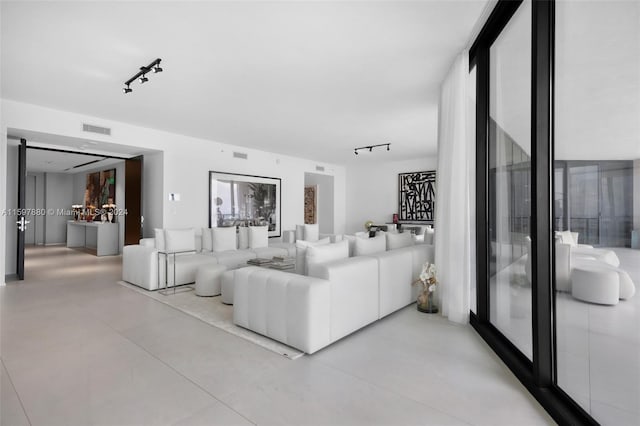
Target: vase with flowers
[{"x": 428, "y": 281}]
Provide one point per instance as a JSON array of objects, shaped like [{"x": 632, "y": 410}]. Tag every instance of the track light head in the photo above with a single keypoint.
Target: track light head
[
  {"x": 143, "y": 79},
  {"x": 388, "y": 146},
  {"x": 157, "y": 69},
  {"x": 355, "y": 152},
  {"x": 127, "y": 89},
  {"x": 370, "y": 148}
]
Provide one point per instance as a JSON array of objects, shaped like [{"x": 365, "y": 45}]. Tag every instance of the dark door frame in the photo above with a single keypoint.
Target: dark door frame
[{"x": 537, "y": 375}]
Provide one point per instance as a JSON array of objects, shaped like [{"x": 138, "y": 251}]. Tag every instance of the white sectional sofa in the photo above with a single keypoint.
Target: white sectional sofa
[
  {"x": 337, "y": 298},
  {"x": 140, "y": 262}
]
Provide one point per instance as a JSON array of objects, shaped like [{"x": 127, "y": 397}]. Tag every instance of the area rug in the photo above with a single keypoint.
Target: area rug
[{"x": 212, "y": 311}]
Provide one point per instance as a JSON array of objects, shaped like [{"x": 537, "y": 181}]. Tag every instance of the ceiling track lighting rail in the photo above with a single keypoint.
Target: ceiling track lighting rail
[
  {"x": 370, "y": 147},
  {"x": 141, "y": 75}
]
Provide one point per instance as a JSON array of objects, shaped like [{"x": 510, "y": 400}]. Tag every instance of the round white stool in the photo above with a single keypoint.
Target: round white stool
[
  {"x": 208, "y": 280},
  {"x": 227, "y": 288},
  {"x": 595, "y": 284}
]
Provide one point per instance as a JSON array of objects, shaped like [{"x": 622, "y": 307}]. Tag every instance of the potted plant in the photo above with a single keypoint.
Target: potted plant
[{"x": 428, "y": 280}]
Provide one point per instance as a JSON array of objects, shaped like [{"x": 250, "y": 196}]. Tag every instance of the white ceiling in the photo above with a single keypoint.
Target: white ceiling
[
  {"x": 310, "y": 79},
  {"x": 39, "y": 160}
]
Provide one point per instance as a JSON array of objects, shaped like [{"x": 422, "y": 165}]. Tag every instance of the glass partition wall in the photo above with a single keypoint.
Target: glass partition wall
[
  {"x": 596, "y": 152},
  {"x": 558, "y": 202}
]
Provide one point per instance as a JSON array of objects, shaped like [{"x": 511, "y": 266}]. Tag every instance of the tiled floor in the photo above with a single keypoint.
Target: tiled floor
[{"x": 78, "y": 349}]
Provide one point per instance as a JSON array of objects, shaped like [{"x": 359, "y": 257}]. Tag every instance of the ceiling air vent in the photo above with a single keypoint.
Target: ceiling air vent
[
  {"x": 320, "y": 168},
  {"x": 96, "y": 129},
  {"x": 240, "y": 155}
]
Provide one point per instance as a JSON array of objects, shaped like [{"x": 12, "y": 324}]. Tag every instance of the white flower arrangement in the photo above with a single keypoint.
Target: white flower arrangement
[{"x": 427, "y": 277}]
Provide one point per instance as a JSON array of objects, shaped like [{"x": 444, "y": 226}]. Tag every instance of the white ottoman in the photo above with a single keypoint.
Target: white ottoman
[
  {"x": 208, "y": 280},
  {"x": 595, "y": 284},
  {"x": 227, "y": 287}
]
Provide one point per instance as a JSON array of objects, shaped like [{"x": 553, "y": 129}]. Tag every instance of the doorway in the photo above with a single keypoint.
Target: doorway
[{"x": 319, "y": 196}]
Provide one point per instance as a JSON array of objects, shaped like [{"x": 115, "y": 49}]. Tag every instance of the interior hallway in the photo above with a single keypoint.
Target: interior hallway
[{"x": 77, "y": 349}]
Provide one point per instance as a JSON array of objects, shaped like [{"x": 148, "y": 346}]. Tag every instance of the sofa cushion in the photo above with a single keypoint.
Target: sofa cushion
[
  {"x": 396, "y": 241},
  {"x": 224, "y": 238},
  {"x": 311, "y": 232},
  {"x": 301, "y": 253},
  {"x": 326, "y": 252},
  {"x": 567, "y": 238},
  {"x": 207, "y": 242},
  {"x": 159, "y": 237},
  {"x": 258, "y": 236},
  {"x": 179, "y": 239},
  {"x": 299, "y": 232},
  {"x": 243, "y": 237},
  {"x": 366, "y": 246}
]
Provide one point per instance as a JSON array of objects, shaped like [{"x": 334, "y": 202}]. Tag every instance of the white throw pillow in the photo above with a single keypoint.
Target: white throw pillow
[
  {"x": 352, "y": 243},
  {"x": 159, "y": 237},
  {"x": 311, "y": 232},
  {"x": 299, "y": 232},
  {"x": 326, "y": 253},
  {"x": 207, "y": 242},
  {"x": 365, "y": 246},
  {"x": 429, "y": 233},
  {"x": 224, "y": 238},
  {"x": 243, "y": 237},
  {"x": 258, "y": 236},
  {"x": 567, "y": 238},
  {"x": 301, "y": 253},
  {"x": 179, "y": 239},
  {"x": 396, "y": 241}
]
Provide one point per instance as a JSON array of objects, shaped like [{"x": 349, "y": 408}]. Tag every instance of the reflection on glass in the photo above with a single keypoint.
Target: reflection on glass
[
  {"x": 597, "y": 188},
  {"x": 510, "y": 180}
]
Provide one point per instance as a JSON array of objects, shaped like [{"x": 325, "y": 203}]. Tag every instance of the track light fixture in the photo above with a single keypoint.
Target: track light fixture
[
  {"x": 141, "y": 75},
  {"x": 370, "y": 147}
]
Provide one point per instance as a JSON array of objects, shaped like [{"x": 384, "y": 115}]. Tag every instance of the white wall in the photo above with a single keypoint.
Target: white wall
[
  {"x": 372, "y": 190},
  {"x": 325, "y": 200},
  {"x": 58, "y": 196},
  {"x": 152, "y": 169},
  {"x": 186, "y": 164},
  {"x": 636, "y": 194}
]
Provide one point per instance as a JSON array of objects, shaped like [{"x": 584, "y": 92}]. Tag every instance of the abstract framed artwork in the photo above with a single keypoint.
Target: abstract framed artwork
[
  {"x": 416, "y": 197},
  {"x": 244, "y": 200},
  {"x": 100, "y": 189}
]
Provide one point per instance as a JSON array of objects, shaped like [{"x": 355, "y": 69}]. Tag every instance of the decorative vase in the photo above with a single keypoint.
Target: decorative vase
[{"x": 425, "y": 302}]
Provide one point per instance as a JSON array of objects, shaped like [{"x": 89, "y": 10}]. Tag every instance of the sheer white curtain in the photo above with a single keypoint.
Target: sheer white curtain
[{"x": 455, "y": 194}]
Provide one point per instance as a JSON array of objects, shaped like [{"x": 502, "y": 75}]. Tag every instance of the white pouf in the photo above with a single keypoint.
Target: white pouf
[
  {"x": 227, "y": 287},
  {"x": 208, "y": 280},
  {"x": 595, "y": 284}
]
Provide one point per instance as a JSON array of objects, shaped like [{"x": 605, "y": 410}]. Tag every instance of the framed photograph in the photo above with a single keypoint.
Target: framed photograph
[
  {"x": 244, "y": 200},
  {"x": 416, "y": 197}
]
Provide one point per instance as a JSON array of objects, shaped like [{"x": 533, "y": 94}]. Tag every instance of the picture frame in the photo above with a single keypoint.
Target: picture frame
[
  {"x": 100, "y": 189},
  {"x": 245, "y": 200},
  {"x": 416, "y": 197}
]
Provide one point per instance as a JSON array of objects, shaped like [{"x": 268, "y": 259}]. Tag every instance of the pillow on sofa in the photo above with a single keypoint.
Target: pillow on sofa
[
  {"x": 258, "y": 236},
  {"x": 429, "y": 235},
  {"x": 365, "y": 246},
  {"x": 301, "y": 253},
  {"x": 396, "y": 241},
  {"x": 223, "y": 238},
  {"x": 299, "y": 232},
  {"x": 243, "y": 237},
  {"x": 207, "y": 242},
  {"x": 567, "y": 238},
  {"x": 179, "y": 239},
  {"x": 159, "y": 236},
  {"x": 311, "y": 232},
  {"x": 326, "y": 253}
]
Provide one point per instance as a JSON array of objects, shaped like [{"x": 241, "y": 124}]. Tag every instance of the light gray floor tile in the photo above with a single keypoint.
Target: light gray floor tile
[{"x": 11, "y": 410}]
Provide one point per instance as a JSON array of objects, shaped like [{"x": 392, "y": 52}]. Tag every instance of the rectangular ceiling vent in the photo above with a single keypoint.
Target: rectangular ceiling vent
[
  {"x": 96, "y": 129},
  {"x": 240, "y": 155},
  {"x": 320, "y": 168}
]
